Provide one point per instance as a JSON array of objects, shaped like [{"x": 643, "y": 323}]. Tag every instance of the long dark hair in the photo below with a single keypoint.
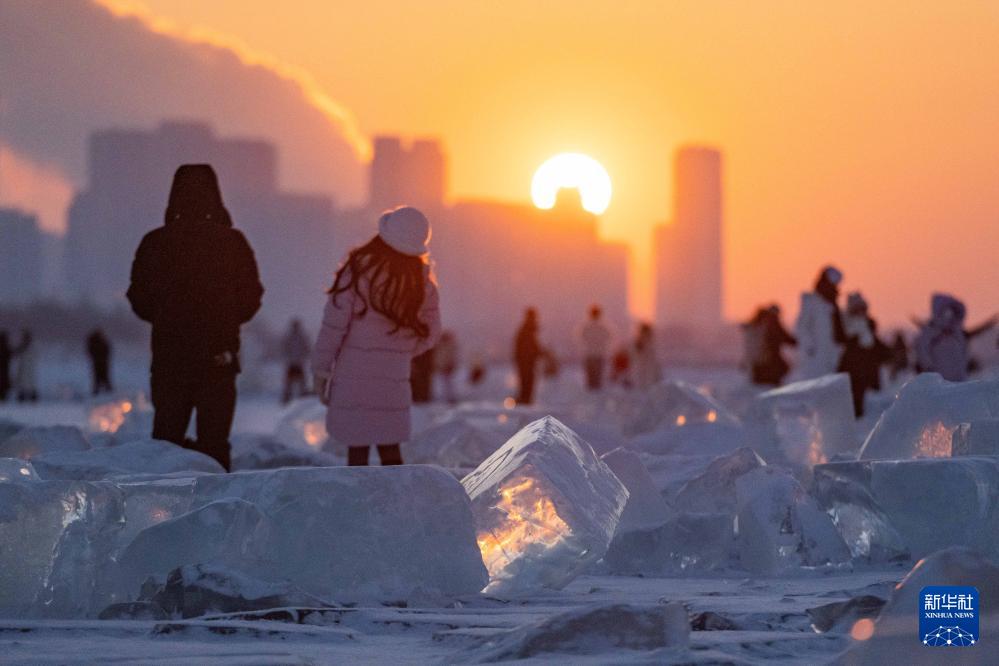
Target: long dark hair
[{"x": 394, "y": 284}]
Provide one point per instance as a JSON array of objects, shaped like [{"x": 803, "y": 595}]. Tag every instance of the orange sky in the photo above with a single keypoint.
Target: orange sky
[{"x": 861, "y": 133}]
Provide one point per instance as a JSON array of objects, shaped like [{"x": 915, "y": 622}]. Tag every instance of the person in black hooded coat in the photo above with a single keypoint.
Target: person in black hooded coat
[{"x": 195, "y": 280}]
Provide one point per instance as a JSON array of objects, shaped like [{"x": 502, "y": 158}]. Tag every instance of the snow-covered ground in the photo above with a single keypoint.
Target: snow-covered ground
[{"x": 732, "y": 528}]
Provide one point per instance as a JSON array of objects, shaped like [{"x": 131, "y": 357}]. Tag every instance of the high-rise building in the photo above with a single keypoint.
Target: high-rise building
[
  {"x": 129, "y": 174},
  {"x": 414, "y": 175},
  {"x": 688, "y": 249},
  {"x": 20, "y": 257}
]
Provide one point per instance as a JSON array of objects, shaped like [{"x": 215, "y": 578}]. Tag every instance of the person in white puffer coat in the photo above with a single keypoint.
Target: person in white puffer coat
[{"x": 819, "y": 329}]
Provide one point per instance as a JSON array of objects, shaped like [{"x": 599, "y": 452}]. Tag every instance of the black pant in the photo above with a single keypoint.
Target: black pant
[
  {"x": 389, "y": 454},
  {"x": 527, "y": 375},
  {"x": 294, "y": 382},
  {"x": 594, "y": 372},
  {"x": 212, "y": 393},
  {"x": 102, "y": 377}
]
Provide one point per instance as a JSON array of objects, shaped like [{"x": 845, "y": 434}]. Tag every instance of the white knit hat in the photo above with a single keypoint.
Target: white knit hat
[{"x": 405, "y": 230}]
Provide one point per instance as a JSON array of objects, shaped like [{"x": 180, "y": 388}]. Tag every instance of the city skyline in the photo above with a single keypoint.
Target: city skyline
[{"x": 847, "y": 129}]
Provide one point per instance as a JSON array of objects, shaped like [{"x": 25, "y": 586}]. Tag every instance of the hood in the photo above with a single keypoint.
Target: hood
[
  {"x": 195, "y": 197},
  {"x": 943, "y": 306}
]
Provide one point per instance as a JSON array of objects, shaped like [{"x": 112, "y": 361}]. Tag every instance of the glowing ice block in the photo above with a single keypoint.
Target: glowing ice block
[{"x": 545, "y": 507}]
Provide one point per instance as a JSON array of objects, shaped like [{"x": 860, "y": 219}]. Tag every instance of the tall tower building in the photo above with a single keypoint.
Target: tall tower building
[
  {"x": 688, "y": 252},
  {"x": 413, "y": 175}
]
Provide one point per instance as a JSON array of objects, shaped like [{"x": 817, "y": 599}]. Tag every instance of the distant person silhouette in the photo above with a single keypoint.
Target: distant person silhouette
[
  {"x": 819, "y": 329},
  {"x": 195, "y": 280},
  {"x": 646, "y": 369},
  {"x": 942, "y": 343},
  {"x": 595, "y": 337},
  {"x": 295, "y": 349},
  {"x": 765, "y": 337},
  {"x": 864, "y": 353},
  {"x": 446, "y": 363},
  {"x": 899, "y": 361},
  {"x": 620, "y": 372},
  {"x": 26, "y": 374},
  {"x": 421, "y": 377},
  {"x": 99, "y": 351},
  {"x": 381, "y": 313},
  {"x": 6, "y": 356},
  {"x": 527, "y": 351}
]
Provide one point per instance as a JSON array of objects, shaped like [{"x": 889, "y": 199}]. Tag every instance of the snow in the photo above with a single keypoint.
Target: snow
[
  {"x": 781, "y": 527},
  {"x": 545, "y": 508},
  {"x": 921, "y": 421},
  {"x": 595, "y": 630},
  {"x": 809, "y": 422},
  {"x": 896, "y": 639}
]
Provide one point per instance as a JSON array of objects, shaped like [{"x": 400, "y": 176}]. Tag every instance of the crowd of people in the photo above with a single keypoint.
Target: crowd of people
[
  {"x": 381, "y": 343},
  {"x": 829, "y": 340}
]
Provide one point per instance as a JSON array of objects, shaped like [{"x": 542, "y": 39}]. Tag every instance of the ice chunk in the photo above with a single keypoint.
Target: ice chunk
[
  {"x": 675, "y": 404},
  {"x": 125, "y": 417},
  {"x": 841, "y": 616},
  {"x": 545, "y": 507},
  {"x": 257, "y": 451},
  {"x": 646, "y": 508},
  {"x": 692, "y": 439},
  {"x": 35, "y": 440},
  {"x": 356, "y": 533},
  {"x": 932, "y": 502},
  {"x": 150, "y": 502},
  {"x": 598, "y": 629},
  {"x": 922, "y": 420},
  {"x": 687, "y": 542},
  {"x": 459, "y": 443},
  {"x": 978, "y": 438},
  {"x": 8, "y": 429},
  {"x": 780, "y": 527},
  {"x": 219, "y": 533},
  {"x": 863, "y": 524},
  {"x": 149, "y": 456},
  {"x": 714, "y": 490},
  {"x": 15, "y": 469},
  {"x": 194, "y": 590},
  {"x": 894, "y": 638},
  {"x": 809, "y": 421},
  {"x": 56, "y": 536},
  {"x": 303, "y": 426}
]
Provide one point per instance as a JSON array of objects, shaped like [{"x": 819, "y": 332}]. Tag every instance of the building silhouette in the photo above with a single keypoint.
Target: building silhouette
[
  {"x": 415, "y": 174},
  {"x": 129, "y": 176},
  {"x": 688, "y": 249},
  {"x": 21, "y": 257},
  {"x": 494, "y": 258}
]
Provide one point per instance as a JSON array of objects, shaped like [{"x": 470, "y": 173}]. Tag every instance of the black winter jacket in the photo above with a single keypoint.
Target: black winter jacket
[{"x": 196, "y": 282}]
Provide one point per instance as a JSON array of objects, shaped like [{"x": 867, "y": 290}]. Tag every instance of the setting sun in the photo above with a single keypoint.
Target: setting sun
[{"x": 572, "y": 170}]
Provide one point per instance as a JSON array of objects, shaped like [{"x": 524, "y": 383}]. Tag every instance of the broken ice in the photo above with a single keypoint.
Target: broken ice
[
  {"x": 545, "y": 507},
  {"x": 780, "y": 526},
  {"x": 922, "y": 420},
  {"x": 931, "y": 502},
  {"x": 809, "y": 421}
]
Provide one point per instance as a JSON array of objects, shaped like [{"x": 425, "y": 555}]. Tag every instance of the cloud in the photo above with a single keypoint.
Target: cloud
[{"x": 73, "y": 67}]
